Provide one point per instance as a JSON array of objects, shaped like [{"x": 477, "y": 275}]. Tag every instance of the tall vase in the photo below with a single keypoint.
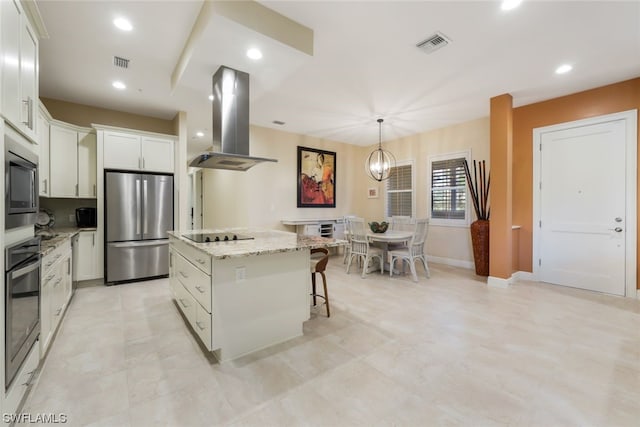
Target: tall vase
[{"x": 480, "y": 243}]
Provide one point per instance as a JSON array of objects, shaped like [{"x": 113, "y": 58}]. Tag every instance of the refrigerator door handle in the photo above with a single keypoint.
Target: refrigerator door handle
[
  {"x": 137, "y": 207},
  {"x": 139, "y": 244},
  {"x": 145, "y": 206}
]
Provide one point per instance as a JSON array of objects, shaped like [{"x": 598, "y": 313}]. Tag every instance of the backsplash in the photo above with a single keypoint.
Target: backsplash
[{"x": 64, "y": 210}]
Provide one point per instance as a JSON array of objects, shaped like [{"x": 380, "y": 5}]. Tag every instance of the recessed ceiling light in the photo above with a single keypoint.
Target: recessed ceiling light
[
  {"x": 119, "y": 85},
  {"x": 123, "y": 24},
  {"x": 211, "y": 97},
  {"x": 199, "y": 134},
  {"x": 564, "y": 68},
  {"x": 510, "y": 4},
  {"x": 254, "y": 53}
]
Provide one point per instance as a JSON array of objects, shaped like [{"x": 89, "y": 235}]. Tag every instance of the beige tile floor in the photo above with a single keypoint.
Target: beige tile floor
[{"x": 443, "y": 351}]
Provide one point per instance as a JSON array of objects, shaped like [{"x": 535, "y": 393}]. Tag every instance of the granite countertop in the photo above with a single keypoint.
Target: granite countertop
[
  {"x": 61, "y": 236},
  {"x": 264, "y": 242}
]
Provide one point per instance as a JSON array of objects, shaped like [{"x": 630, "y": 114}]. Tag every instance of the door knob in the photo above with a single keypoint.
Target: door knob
[{"x": 618, "y": 219}]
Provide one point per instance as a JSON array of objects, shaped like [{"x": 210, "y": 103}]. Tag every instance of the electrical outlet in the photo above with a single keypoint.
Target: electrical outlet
[
  {"x": 241, "y": 274},
  {"x": 72, "y": 218}
]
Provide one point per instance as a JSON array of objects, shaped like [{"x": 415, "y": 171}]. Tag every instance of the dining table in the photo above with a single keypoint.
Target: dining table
[{"x": 389, "y": 236}]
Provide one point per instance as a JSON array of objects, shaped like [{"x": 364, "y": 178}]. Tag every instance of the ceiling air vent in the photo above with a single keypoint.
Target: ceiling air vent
[
  {"x": 434, "y": 43},
  {"x": 120, "y": 62}
]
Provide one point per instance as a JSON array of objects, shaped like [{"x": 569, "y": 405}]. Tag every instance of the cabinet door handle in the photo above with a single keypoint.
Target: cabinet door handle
[
  {"x": 77, "y": 193},
  {"x": 143, "y": 163},
  {"x": 68, "y": 265},
  {"x": 58, "y": 312},
  {"x": 28, "y": 103},
  {"x": 170, "y": 260},
  {"x": 93, "y": 239},
  {"x": 184, "y": 275},
  {"x": 200, "y": 289},
  {"x": 182, "y": 302},
  {"x": 95, "y": 191},
  {"x": 139, "y": 163},
  {"x": 200, "y": 326},
  {"x": 45, "y": 186}
]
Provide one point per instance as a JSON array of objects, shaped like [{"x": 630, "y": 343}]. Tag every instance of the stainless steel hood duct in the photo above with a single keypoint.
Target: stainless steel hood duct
[{"x": 230, "y": 124}]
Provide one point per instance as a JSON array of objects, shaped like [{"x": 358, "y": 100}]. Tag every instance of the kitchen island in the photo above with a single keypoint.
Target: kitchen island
[{"x": 240, "y": 296}]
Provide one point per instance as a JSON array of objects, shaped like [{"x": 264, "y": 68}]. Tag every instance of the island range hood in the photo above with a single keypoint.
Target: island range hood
[{"x": 230, "y": 124}]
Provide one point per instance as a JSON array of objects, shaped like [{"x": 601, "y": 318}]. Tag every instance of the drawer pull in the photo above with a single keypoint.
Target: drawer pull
[
  {"x": 58, "y": 312},
  {"x": 184, "y": 275},
  {"x": 200, "y": 261},
  {"x": 183, "y": 303},
  {"x": 200, "y": 326},
  {"x": 200, "y": 289}
]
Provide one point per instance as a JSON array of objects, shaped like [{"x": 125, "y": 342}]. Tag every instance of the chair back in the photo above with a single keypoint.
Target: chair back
[
  {"x": 322, "y": 262},
  {"x": 401, "y": 223},
  {"x": 357, "y": 235},
  {"x": 419, "y": 236}
]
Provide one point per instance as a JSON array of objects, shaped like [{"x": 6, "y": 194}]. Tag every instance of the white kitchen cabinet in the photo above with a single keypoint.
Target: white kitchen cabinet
[
  {"x": 85, "y": 256},
  {"x": 157, "y": 154},
  {"x": 43, "y": 161},
  {"x": 138, "y": 152},
  {"x": 19, "y": 68},
  {"x": 63, "y": 161},
  {"x": 72, "y": 161},
  {"x": 87, "y": 165},
  {"x": 56, "y": 290},
  {"x": 122, "y": 151}
]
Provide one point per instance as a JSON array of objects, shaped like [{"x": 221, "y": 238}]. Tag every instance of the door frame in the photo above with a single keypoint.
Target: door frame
[{"x": 630, "y": 117}]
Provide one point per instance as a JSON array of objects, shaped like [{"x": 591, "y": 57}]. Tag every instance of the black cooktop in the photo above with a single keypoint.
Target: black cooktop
[{"x": 216, "y": 237}]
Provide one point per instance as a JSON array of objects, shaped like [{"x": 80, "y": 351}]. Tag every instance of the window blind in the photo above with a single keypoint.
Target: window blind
[
  {"x": 400, "y": 191},
  {"x": 448, "y": 193}
]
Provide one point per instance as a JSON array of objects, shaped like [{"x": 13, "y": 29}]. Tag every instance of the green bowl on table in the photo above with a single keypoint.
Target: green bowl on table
[{"x": 379, "y": 227}]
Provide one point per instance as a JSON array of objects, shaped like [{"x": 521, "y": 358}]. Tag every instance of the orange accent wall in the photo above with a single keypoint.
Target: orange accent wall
[
  {"x": 500, "y": 192},
  {"x": 609, "y": 99}
]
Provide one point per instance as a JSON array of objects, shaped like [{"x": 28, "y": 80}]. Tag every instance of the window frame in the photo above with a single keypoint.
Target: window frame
[
  {"x": 413, "y": 188},
  {"x": 448, "y": 222}
]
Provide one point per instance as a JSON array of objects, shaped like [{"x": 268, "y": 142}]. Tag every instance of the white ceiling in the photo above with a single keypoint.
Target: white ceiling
[{"x": 365, "y": 63}]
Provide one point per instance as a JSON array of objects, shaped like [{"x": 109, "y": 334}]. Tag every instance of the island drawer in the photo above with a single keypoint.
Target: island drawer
[
  {"x": 202, "y": 326},
  {"x": 186, "y": 303},
  {"x": 197, "y": 257},
  {"x": 50, "y": 259},
  {"x": 196, "y": 282}
]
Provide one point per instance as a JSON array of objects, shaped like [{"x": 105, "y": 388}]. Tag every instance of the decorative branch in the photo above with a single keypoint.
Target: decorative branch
[{"x": 479, "y": 189}]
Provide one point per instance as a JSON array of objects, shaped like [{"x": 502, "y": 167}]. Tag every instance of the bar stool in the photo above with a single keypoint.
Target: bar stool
[{"x": 318, "y": 265}]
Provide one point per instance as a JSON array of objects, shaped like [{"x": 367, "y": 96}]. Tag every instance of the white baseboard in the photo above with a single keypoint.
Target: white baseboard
[
  {"x": 452, "y": 262},
  {"x": 523, "y": 275},
  {"x": 498, "y": 282}
]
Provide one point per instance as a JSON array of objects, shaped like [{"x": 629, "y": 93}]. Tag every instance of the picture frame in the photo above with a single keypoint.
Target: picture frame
[
  {"x": 316, "y": 178},
  {"x": 372, "y": 193}
]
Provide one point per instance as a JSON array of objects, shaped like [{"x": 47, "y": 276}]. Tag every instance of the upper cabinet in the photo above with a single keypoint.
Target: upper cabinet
[
  {"x": 138, "y": 151},
  {"x": 72, "y": 161},
  {"x": 19, "y": 68},
  {"x": 43, "y": 143}
]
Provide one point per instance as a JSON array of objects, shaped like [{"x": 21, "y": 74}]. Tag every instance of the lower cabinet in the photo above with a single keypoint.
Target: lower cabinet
[
  {"x": 56, "y": 289},
  {"x": 191, "y": 287},
  {"x": 85, "y": 254}
]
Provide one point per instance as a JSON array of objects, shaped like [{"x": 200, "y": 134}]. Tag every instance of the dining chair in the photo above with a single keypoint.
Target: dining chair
[
  {"x": 400, "y": 223},
  {"x": 360, "y": 247},
  {"x": 347, "y": 249},
  {"x": 319, "y": 260},
  {"x": 413, "y": 251}
]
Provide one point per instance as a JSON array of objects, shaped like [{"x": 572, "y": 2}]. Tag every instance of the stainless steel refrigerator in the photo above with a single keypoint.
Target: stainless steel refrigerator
[{"x": 139, "y": 212}]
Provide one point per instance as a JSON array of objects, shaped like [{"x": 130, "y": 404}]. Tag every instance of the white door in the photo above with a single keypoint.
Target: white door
[
  {"x": 157, "y": 154},
  {"x": 122, "y": 151},
  {"x": 87, "y": 165},
  {"x": 63, "y": 162},
  {"x": 582, "y": 207}
]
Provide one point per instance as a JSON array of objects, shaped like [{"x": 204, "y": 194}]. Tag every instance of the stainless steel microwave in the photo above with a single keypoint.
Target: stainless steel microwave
[{"x": 21, "y": 181}]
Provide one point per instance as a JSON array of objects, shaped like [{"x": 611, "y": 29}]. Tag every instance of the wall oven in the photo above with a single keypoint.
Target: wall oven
[
  {"x": 21, "y": 304},
  {"x": 21, "y": 181}
]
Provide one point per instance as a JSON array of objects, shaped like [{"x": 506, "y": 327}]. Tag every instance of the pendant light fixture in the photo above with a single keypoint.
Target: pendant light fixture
[{"x": 380, "y": 162}]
